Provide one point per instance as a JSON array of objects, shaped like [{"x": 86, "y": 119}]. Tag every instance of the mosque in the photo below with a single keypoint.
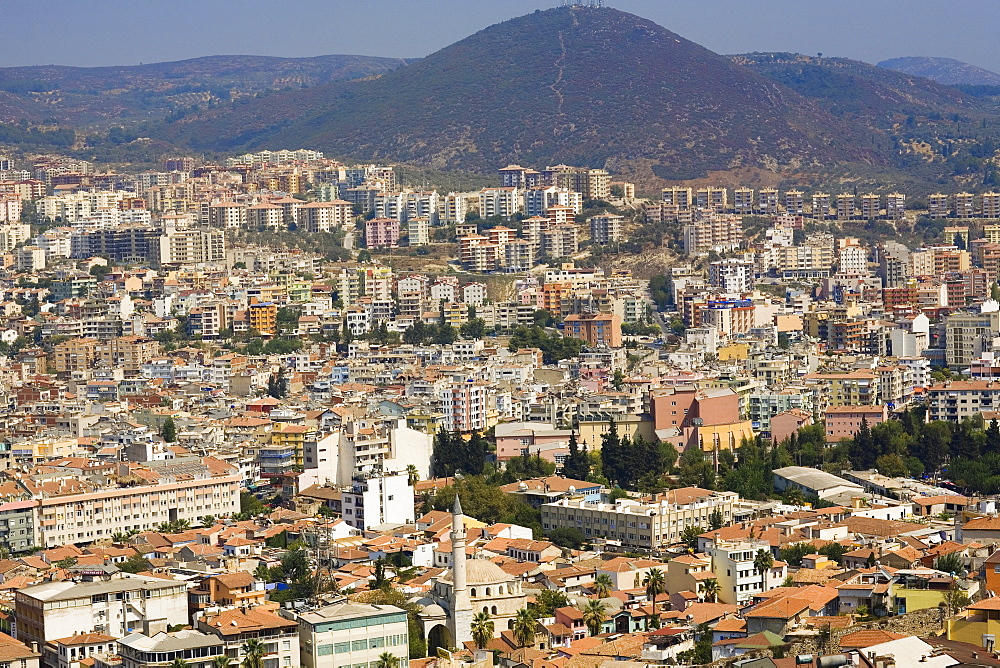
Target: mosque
[{"x": 470, "y": 586}]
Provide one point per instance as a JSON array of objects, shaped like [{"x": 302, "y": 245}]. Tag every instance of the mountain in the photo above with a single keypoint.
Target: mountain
[
  {"x": 81, "y": 95},
  {"x": 943, "y": 70},
  {"x": 857, "y": 90},
  {"x": 588, "y": 86}
]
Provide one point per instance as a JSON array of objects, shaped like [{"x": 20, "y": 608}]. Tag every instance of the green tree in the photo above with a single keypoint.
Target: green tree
[
  {"x": 387, "y": 660},
  {"x": 576, "y": 465},
  {"x": 570, "y": 537},
  {"x": 593, "y": 616},
  {"x": 950, "y": 563},
  {"x": 701, "y": 653},
  {"x": 715, "y": 520},
  {"x": 253, "y": 654},
  {"x": 179, "y": 662},
  {"x": 546, "y": 602},
  {"x": 655, "y": 584},
  {"x": 482, "y": 629},
  {"x": 134, "y": 564},
  {"x": 222, "y": 661},
  {"x": 762, "y": 563},
  {"x": 710, "y": 590},
  {"x": 169, "y": 430},
  {"x": 833, "y": 552},
  {"x": 524, "y": 627},
  {"x": 603, "y": 585},
  {"x": 473, "y": 329},
  {"x": 277, "y": 384},
  {"x": 793, "y": 554},
  {"x": 689, "y": 535}
]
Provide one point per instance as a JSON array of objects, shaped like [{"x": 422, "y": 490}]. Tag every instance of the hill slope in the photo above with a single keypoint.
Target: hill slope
[
  {"x": 943, "y": 70},
  {"x": 588, "y": 86},
  {"x": 134, "y": 92},
  {"x": 855, "y": 89}
]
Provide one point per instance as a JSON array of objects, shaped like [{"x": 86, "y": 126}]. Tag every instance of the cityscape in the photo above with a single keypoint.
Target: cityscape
[{"x": 527, "y": 405}]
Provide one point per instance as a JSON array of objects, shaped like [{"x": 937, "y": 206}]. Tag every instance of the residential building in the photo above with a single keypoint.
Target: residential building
[
  {"x": 634, "y": 524},
  {"x": 103, "y": 602},
  {"x": 351, "y": 634},
  {"x": 732, "y": 562},
  {"x": 603, "y": 329}
]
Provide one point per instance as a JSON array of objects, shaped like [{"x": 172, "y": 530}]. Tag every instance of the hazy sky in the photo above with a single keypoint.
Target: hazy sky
[{"x": 112, "y": 32}]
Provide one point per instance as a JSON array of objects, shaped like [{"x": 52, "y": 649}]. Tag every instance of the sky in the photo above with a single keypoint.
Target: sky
[{"x": 115, "y": 32}]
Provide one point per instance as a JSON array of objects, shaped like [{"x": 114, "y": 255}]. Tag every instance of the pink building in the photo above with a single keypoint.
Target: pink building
[
  {"x": 382, "y": 233},
  {"x": 788, "y": 422},
  {"x": 845, "y": 421}
]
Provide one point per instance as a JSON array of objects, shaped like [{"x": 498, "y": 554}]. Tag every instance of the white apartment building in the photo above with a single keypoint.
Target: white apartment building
[
  {"x": 73, "y": 508},
  {"x": 504, "y": 202},
  {"x": 116, "y": 604},
  {"x": 732, "y": 275},
  {"x": 733, "y": 566},
  {"x": 351, "y": 634},
  {"x": 648, "y": 526},
  {"x": 377, "y": 499},
  {"x": 537, "y": 201}
]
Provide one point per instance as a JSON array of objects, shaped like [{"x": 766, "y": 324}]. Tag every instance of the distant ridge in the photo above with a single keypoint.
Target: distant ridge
[{"x": 943, "y": 70}]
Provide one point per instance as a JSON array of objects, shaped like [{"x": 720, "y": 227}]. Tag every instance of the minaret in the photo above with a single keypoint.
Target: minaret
[{"x": 461, "y": 604}]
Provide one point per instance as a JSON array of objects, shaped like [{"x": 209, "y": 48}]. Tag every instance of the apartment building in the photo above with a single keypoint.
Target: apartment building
[
  {"x": 597, "y": 329},
  {"x": 227, "y": 215},
  {"x": 632, "y": 524},
  {"x": 464, "y": 403},
  {"x": 606, "y": 228},
  {"x": 351, "y": 634},
  {"x": 81, "y": 501},
  {"x": 194, "y": 648},
  {"x": 126, "y": 352},
  {"x": 75, "y": 355},
  {"x": 560, "y": 240},
  {"x": 717, "y": 232},
  {"x": 968, "y": 336},
  {"x": 279, "y": 636},
  {"x": 503, "y": 202},
  {"x": 957, "y": 400},
  {"x": 733, "y": 567},
  {"x": 324, "y": 216},
  {"x": 191, "y": 246},
  {"x": 382, "y": 233},
  {"x": 376, "y": 499},
  {"x": 99, "y": 600}
]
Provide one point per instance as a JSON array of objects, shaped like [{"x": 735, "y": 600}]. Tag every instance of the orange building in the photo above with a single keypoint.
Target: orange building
[{"x": 596, "y": 329}]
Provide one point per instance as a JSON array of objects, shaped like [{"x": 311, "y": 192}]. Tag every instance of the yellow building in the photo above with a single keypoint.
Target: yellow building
[
  {"x": 980, "y": 619},
  {"x": 290, "y": 435},
  {"x": 734, "y": 351},
  {"x": 727, "y": 436},
  {"x": 426, "y": 421},
  {"x": 264, "y": 317}
]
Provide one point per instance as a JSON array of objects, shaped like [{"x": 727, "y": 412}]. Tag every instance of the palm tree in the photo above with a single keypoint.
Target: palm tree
[
  {"x": 253, "y": 654},
  {"x": 412, "y": 475},
  {"x": 594, "y": 616},
  {"x": 603, "y": 585},
  {"x": 762, "y": 563},
  {"x": 654, "y": 584},
  {"x": 221, "y": 661},
  {"x": 179, "y": 662},
  {"x": 482, "y": 629},
  {"x": 387, "y": 660},
  {"x": 524, "y": 627},
  {"x": 710, "y": 590}
]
